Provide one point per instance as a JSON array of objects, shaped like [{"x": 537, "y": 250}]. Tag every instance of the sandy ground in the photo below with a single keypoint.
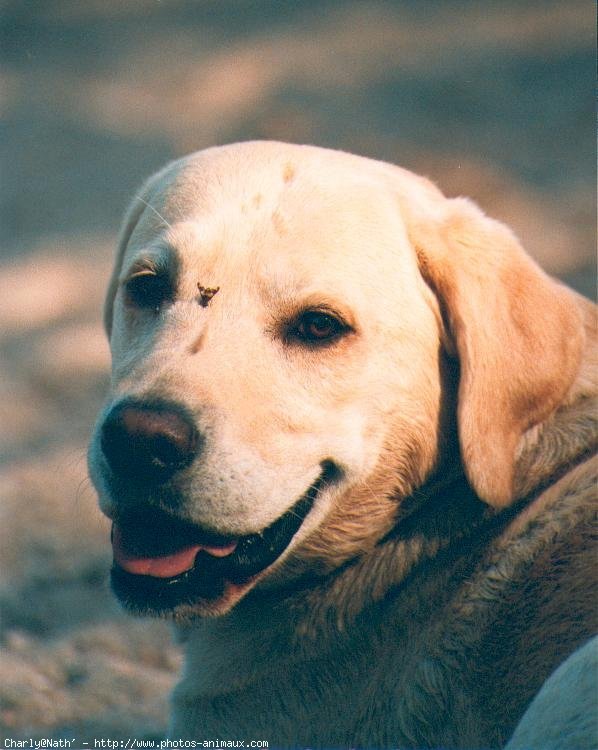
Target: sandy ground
[{"x": 490, "y": 99}]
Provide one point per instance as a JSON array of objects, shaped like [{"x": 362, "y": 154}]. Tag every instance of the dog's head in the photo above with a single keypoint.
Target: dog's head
[{"x": 287, "y": 325}]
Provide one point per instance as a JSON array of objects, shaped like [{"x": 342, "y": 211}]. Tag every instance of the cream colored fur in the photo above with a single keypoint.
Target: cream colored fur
[{"x": 464, "y": 356}]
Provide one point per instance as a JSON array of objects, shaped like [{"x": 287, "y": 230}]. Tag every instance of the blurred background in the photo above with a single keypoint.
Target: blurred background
[{"x": 489, "y": 99}]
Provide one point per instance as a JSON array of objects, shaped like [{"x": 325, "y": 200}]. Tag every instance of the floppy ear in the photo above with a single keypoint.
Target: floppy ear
[{"x": 517, "y": 333}]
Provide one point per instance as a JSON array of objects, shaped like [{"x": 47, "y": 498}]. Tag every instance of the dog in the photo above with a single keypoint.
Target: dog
[{"x": 348, "y": 450}]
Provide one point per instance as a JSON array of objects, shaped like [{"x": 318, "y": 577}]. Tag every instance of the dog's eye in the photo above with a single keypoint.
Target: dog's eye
[
  {"x": 317, "y": 327},
  {"x": 148, "y": 290}
]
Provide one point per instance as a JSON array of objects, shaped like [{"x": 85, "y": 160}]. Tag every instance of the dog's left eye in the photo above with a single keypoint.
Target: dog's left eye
[{"x": 317, "y": 327}]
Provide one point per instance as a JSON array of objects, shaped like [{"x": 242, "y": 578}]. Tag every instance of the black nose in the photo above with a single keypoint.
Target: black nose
[{"x": 145, "y": 443}]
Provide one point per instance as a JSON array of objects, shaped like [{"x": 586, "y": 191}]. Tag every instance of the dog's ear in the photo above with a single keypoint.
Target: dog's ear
[{"x": 517, "y": 333}]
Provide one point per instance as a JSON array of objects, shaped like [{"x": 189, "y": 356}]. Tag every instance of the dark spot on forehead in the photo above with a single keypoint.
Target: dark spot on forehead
[
  {"x": 257, "y": 200},
  {"x": 288, "y": 172}
]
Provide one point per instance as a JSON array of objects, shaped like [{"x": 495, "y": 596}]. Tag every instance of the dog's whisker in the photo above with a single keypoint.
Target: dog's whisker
[
  {"x": 292, "y": 512},
  {"x": 158, "y": 214},
  {"x": 83, "y": 488},
  {"x": 369, "y": 489}
]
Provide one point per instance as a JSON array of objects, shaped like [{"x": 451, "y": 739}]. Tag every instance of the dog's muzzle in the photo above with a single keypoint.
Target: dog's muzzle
[{"x": 161, "y": 562}]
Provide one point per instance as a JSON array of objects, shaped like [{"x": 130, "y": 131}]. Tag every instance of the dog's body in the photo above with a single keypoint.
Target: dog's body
[{"x": 367, "y": 442}]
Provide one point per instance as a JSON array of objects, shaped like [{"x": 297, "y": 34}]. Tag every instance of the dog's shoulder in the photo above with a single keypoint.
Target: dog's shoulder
[
  {"x": 540, "y": 579},
  {"x": 531, "y": 601}
]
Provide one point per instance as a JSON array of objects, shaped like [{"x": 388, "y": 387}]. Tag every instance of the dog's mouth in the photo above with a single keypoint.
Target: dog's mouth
[{"x": 162, "y": 563}]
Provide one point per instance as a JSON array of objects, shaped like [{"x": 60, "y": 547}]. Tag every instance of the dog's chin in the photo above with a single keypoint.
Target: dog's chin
[{"x": 167, "y": 567}]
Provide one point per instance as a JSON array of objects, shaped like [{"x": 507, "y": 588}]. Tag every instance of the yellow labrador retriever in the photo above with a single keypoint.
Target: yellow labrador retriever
[{"x": 348, "y": 450}]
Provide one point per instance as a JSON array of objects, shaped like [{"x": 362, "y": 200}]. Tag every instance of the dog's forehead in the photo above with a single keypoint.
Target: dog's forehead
[
  {"x": 283, "y": 220},
  {"x": 207, "y": 184}
]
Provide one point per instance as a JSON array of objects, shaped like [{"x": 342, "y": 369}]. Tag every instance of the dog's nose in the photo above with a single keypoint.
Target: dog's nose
[{"x": 148, "y": 443}]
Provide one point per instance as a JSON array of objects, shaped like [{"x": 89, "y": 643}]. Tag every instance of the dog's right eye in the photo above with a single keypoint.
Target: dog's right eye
[{"x": 147, "y": 290}]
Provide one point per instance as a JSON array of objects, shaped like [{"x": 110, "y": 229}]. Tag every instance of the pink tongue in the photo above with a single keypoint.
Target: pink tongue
[{"x": 164, "y": 566}]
